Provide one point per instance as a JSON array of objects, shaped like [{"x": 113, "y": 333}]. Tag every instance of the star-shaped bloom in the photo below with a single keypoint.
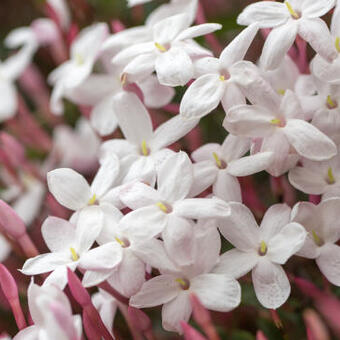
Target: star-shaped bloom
[
  {"x": 169, "y": 53},
  {"x": 68, "y": 244},
  {"x": 322, "y": 225},
  {"x": 289, "y": 19},
  {"x": 167, "y": 210},
  {"x": 172, "y": 288},
  {"x": 219, "y": 79},
  {"x": 143, "y": 148},
  {"x": 330, "y": 71},
  {"x": 281, "y": 125},
  {"x": 317, "y": 178},
  {"x": 84, "y": 52},
  {"x": 218, "y": 165},
  {"x": 261, "y": 250},
  {"x": 51, "y": 314},
  {"x": 72, "y": 191}
]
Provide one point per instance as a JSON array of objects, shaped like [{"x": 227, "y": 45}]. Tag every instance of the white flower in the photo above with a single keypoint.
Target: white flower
[
  {"x": 51, "y": 313},
  {"x": 317, "y": 178},
  {"x": 144, "y": 149},
  {"x": 218, "y": 165},
  {"x": 280, "y": 122},
  {"x": 322, "y": 225},
  {"x": 169, "y": 53},
  {"x": 289, "y": 19},
  {"x": 84, "y": 52},
  {"x": 172, "y": 288},
  {"x": 219, "y": 79},
  {"x": 68, "y": 244},
  {"x": 261, "y": 250}
]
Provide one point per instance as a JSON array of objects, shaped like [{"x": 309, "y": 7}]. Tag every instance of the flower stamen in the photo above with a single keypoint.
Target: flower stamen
[
  {"x": 318, "y": 241},
  {"x": 276, "y": 121},
  {"x": 337, "y": 44},
  {"x": 281, "y": 92},
  {"x": 263, "y": 248},
  {"x": 291, "y": 10},
  {"x": 92, "y": 200},
  {"x": 79, "y": 59},
  {"x": 184, "y": 283},
  {"x": 144, "y": 148},
  {"x": 330, "y": 176},
  {"x": 160, "y": 47},
  {"x": 331, "y": 104},
  {"x": 74, "y": 254},
  {"x": 162, "y": 206}
]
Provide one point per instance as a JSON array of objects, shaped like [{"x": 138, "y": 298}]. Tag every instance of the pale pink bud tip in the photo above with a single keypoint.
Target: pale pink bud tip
[
  {"x": 10, "y": 221},
  {"x": 78, "y": 291},
  {"x": 8, "y": 284},
  {"x": 191, "y": 333}
]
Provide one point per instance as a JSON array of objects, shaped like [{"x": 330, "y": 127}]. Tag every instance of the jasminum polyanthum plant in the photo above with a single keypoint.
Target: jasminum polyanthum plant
[{"x": 170, "y": 178}]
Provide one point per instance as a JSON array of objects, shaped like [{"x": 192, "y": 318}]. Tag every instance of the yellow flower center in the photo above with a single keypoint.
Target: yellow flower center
[
  {"x": 79, "y": 59},
  {"x": 163, "y": 207},
  {"x": 144, "y": 148},
  {"x": 317, "y": 239},
  {"x": 160, "y": 47},
  {"x": 337, "y": 44},
  {"x": 330, "y": 176},
  {"x": 184, "y": 283},
  {"x": 276, "y": 121},
  {"x": 291, "y": 10},
  {"x": 331, "y": 104},
  {"x": 263, "y": 248},
  {"x": 74, "y": 254},
  {"x": 92, "y": 200},
  {"x": 281, "y": 92}
]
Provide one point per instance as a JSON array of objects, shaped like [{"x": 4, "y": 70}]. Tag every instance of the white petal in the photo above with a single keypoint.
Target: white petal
[
  {"x": 174, "y": 67},
  {"x": 314, "y": 9},
  {"x": 239, "y": 46},
  {"x": 175, "y": 177},
  {"x": 69, "y": 188},
  {"x": 140, "y": 68},
  {"x": 271, "y": 284},
  {"x": 106, "y": 175},
  {"x": 92, "y": 278},
  {"x": 236, "y": 263},
  {"x": 156, "y": 291},
  {"x": 249, "y": 165},
  {"x": 240, "y": 228},
  {"x": 277, "y": 44},
  {"x": 205, "y": 152},
  {"x": 175, "y": 311},
  {"x": 266, "y": 14},
  {"x": 234, "y": 147},
  {"x": 171, "y": 131},
  {"x": 206, "y": 65},
  {"x": 203, "y": 96},
  {"x": 316, "y": 33},
  {"x": 328, "y": 72},
  {"x": 58, "y": 277},
  {"x": 232, "y": 96},
  {"x": 103, "y": 118},
  {"x": 133, "y": 118},
  {"x": 143, "y": 170},
  {"x": 286, "y": 243},
  {"x": 58, "y": 234},
  {"x": 217, "y": 292},
  {"x": 328, "y": 212},
  {"x": 227, "y": 187},
  {"x": 249, "y": 121},
  {"x": 204, "y": 176},
  {"x": 197, "y": 31},
  {"x": 328, "y": 262},
  {"x": 8, "y": 99},
  {"x": 308, "y": 141}
]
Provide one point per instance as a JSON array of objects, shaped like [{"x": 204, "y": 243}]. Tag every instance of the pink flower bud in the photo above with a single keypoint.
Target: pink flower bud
[
  {"x": 139, "y": 319},
  {"x": 10, "y": 221},
  {"x": 13, "y": 149},
  {"x": 316, "y": 329},
  {"x": 260, "y": 336},
  {"x": 191, "y": 333}
]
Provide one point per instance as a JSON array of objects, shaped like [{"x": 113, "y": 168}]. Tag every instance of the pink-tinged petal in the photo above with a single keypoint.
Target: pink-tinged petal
[
  {"x": 227, "y": 187},
  {"x": 225, "y": 296},
  {"x": 45, "y": 263},
  {"x": 277, "y": 45},
  {"x": 176, "y": 311},
  {"x": 106, "y": 175},
  {"x": 29, "y": 333},
  {"x": 197, "y": 31},
  {"x": 308, "y": 141},
  {"x": 145, "y": 223},
  {"x": 93, "y": 278},
  {"x": 240, "y": 228},
  {"x": 155, "y": 94},
  {"x": 272, "y": 287},
  {"x": 315, "y": 9},
  {"x": 290, "y": 106},
  {"x": 58, "y": 234},
  {"x": 250, "y": 165},
  {"x": 69, "y": 188},
  {"x": 10, "y": 221},
  {"x": 133, "y": 118},
  {"x": 175, "y": 177},
  {"x": 266, "y": 14},
  {"x": 249, "y": 121},
  {"x": 234, "y": 147},
  {"x": 178, "y": 239},
  {"x": 138, "y": 195},
  {"x": 8, "y": 99},
  {"x": 328, "y": 262},
  {"x": 89, "y": 225},
  {"x": 205, "y": 152},
  {"x": 239, "y": 46},
  {"x": 197, "y": 208},
  {"x": 232, "y": 96},
  {"x": 174, "y": 67},
  {"x": 309, "y": 249},
  {"x": 327, "y": 72},
  {"x": 169, "y": 28},
  {"x": 156, "y": 291},
  {"x": 236, "y": 263},
  {"x": 328, "y": 212},
  {"x": 275, "y": 218},
  {"x": 107, "y": 256},
  {"x": 203, "y": 96},
  {"x": 316, "y": 33},
  {"x": 103, "y": 118},
  {"x": 286, "y": 243},
  {"x": 307, "y": 180},
  {"x": 171, "y": 131}
]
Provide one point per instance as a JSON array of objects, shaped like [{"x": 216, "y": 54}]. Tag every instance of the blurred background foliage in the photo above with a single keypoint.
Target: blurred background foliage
[{"x": 242, "y": 323}]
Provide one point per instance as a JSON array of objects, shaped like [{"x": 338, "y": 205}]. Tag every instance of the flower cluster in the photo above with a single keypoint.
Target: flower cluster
[{"x": 132, "y": 205}]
